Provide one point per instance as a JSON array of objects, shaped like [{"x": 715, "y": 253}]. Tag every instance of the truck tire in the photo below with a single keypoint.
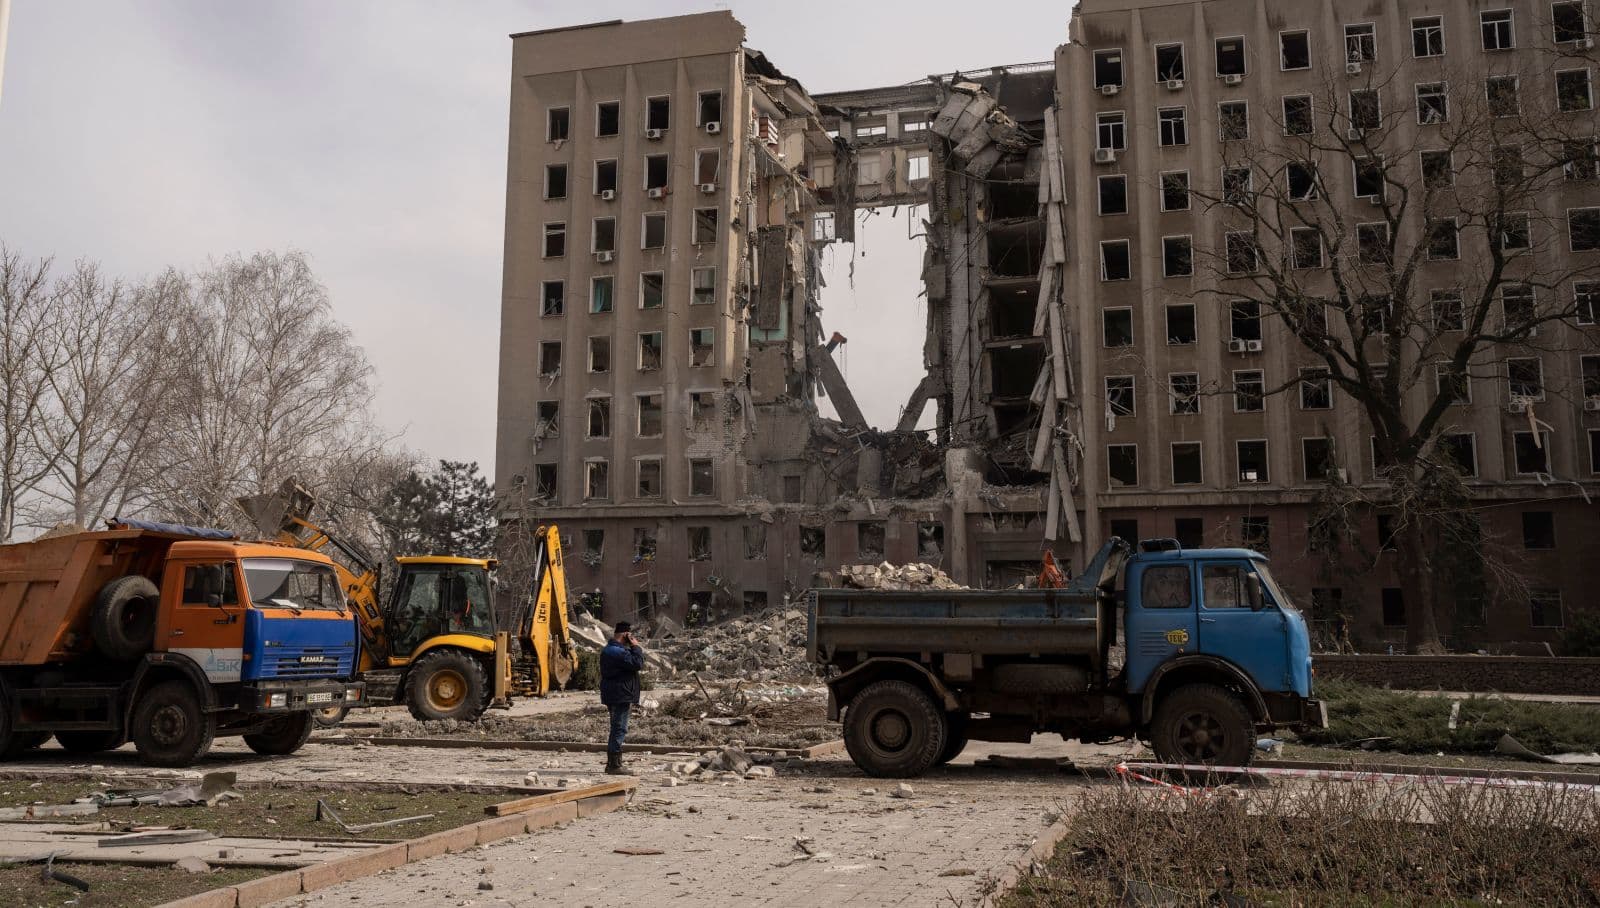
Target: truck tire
[
  {"x": 447, "y": 684},
  {"x": 282, "y": 736},
  {"x": 123, "y": 623},
  {"x": 90, "y": 742},
  {"x": 169, "y": 726},
  {"x": 893, "y": 729},
  {"x": 1203, "y": 724},
  {"x": 329, "y": 716},
  {"x": 955, "y": 737}
]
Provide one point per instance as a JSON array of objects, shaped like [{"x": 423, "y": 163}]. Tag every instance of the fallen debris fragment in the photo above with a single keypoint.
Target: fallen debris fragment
[
  {"x": 48, "y": 873},
  {"x": 637, "y": 852},
  {"x": 886, "y": 576},
  {"x": 157, "y": 837},
  {"x": 192, "y": 865},
  {"x": 324, "y": 812},
  {"x": 902, "y": 791}
]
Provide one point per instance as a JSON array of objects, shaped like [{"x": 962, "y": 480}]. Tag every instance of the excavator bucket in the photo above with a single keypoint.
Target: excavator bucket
[{"x": 277, "y": 512}]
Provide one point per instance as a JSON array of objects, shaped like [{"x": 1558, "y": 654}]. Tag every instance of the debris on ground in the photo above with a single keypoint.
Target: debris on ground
[
  {"x": 211, "y": 789},
  {"x": 325, "y": 812},
  {"x": 886, "y": 576}
]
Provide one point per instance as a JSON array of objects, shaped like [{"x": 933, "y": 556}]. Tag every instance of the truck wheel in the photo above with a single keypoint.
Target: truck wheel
[
  {"x": 955, "y": 737},
  {"x": 893, "y": 729},
  {"x": 90, "y": 742},
  {"x": 1203, "y": 724},
  {"x": 329, "y": 716},
  {"x": 283, "y": 735},
  {"x": 17, "y": 743},
  {"x": 169, "y": 726},
  {"x": 446, "y": 684},
  {"x": 123, "y": 623}
]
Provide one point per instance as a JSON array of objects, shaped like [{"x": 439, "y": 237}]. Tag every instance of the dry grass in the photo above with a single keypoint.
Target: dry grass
[
  {"x": 1407, "y": 723},
  {"x": 1325, "y": 844}
]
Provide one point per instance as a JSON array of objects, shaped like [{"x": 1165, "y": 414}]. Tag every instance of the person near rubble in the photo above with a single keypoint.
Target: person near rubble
[{"x": 620, "y": 663}]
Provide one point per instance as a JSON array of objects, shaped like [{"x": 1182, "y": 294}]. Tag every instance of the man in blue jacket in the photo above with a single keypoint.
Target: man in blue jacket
[{"x": 620, "y": 663}]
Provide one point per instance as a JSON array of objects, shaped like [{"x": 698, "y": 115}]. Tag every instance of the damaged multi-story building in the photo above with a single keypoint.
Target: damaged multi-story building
[{"x": 663, "y": 346}]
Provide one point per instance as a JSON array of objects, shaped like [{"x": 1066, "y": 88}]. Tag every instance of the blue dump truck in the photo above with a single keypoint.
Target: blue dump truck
[{"x": 1215, "y": 652}]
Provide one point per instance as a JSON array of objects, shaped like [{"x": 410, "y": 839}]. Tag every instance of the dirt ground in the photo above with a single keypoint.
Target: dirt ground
[{"x": 112, "y": 885}]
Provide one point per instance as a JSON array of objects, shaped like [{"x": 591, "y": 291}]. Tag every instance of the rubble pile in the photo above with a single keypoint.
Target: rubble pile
[
  {"x": 886, "y": 576},
  {"x": 769, "y": 646},
  {"x": 727, "y": 763}
]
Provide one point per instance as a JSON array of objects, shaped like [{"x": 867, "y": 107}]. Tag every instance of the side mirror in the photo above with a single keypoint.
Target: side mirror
[
  {"x": 1258, "y": 599},
  {"x": 214, "y": 600}
]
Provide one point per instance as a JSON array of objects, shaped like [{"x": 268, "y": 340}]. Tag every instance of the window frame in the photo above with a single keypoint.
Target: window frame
[
  {"x": 1511, "y": 29},
  {"x": 1187, "y": 238},
  {"x": 1311, "y": 114},
  {"x": 1180, "y": 126},
  {"x": 1371, "y": 34},
  {"x": 1104, "y": 325},
  {"x": 1261, "y": 398},
  {"x": 1118, "y": 129},
  {"x": 1175, "y": 401},
  {"x": 1094, "y": 67},
  {"x": 1161, "y": 179},
  {"x": 1283, "y": 66},
  {"x": 1472, "y": 444},
  {"x": 1439, "y": 25},
  {"x": 1443, "y": 87},
  {"x": 1100, "y": 182},
  {"x": 1222, "y": 120},
  {"x": 1183, "y": 62},
  {"x": 1588, "y": 89},
  {"x": 1307, "y": 384},
  {"x": 1538, "y": 362},
  {"x": 549, "y": 122},
  {"x": 1516, "y": 468},
  {"x": 1125, "y": 243},
  {"x": 1572, "y": 234},
  {"x": 611, "y": 297},
  {"x": 1133, "y": 395},
  {"x": 645, "y": 219},
  {"x": 1244, "y": 55},
  {"x": 1305, "y": 459},
  {"x": 1200, "y": 462},
  {"x": 607, "y": 135},
  {"x": 663, "y": 281},
  {"x": 1111, "y": 482},
  {"x": 1266, "y": 461},
  {"x": 566, "y": 188}
]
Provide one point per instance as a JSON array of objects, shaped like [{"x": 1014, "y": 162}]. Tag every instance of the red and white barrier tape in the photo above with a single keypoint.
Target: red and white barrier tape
[{"x": 1338, "y": 775}]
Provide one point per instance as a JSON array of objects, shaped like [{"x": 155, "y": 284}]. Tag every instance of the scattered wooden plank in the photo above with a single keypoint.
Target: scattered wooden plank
[
  {"x": 523, "y": 805},
  {"x": 169, "y": 837}
]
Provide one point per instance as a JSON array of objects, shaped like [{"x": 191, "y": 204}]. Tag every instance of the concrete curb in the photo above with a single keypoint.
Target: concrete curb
[
  {"x": 816, "y": 750},
  {"x": 1044, "y": 845},
  {"x": 388, "y": 857}
]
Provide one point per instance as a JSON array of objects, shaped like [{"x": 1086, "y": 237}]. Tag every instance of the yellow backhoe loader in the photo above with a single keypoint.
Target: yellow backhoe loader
[{"x": 439, "y": 641}]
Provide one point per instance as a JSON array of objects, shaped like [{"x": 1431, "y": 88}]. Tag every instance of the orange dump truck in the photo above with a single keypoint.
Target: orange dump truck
[{"x": 169, "y": 636}]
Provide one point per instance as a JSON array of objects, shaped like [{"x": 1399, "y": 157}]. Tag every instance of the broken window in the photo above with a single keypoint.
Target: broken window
[
  {"x": 1186, "y": 463},
  {"x": 594, "y": 545},
  {"x": 549, "y": 419},
  {"x": 822, "y": 226},
  {"x": 1442, "y": 239},
  {"x": 1504, "y": 99},
  {"x": 1305, "y": 246},
  {"x": 1567, "y": 21},
  {"x": 1525, "y": 377},
  {"x": 1115, "y": 262},
  {"x": 1249, "y": 391},
  {"x": 654, "y": 235},
  {"x": 597, "y": 480},
  {"x": 544, "y": 481},
  {"x": 1372, "y": 243},
  {"x": 1244, "y": 320},
  {"x": 555, "y": 181},
  {"x": 755, "y": 541},
  {"x": 1515, "y": 231},
  {"x": 1583, "y": 229},
  {"x": 644, "y": 544},
  {"x": 1011, "y": 312},
  {"x": 1173, "y": 125},
  {"x": 1122, "y": 465},
  {"x": 1230, "y": 56},
  {"x": 1233, "y": 120},
  {"x": 1360, "y": 43},
  {"x": 649, "y": 415},
  {"x": 648, "y": 483},
  {"x": 1580, "y": 159},
  {"x": 658, "y": 113},
  {"x": 1175, "y": 191},
  {"x": 1107, "y": 68},
  {"x": 930, "y": 539},
  {"x": 549, "y": 359},
  {"x": 1256, "y": 533},
  {"x": 599, "y": 417},
  {"x": 1113, "y": 195},
  {"x": 813, "y": 540},
  {"x": 607, "y": 118},
  {"x": 704, "y": 287},
  {"x": 1369, "y": 177},
  {"x": 1317, "y": 456},
  {"x": 1506, "y": 165},
  {"x": 1180, "y": 324},
  {"x": 917, "y": 166},
  {"x": 705, "y": 226},
  {"x": 599, "y": 354},
  {"x": 555, "y": 240},
  {"x": 702, "y": 410},
  {"x": 605, "y": 176},
  {"x": 1185, "y": 396},
  {"x": 1169, "y": 62},
  {"x": 1496, "y": 27},
  {"x": 1177, "y": 256},
  {"x": 701, "y": 478},
  {"x": 1111, "y": 130},
  {"x": 791, "y": 489},
  {"x": 1427, "y": 37},
  {"x": 1461, "y": 449},
  {"x": 1302, "y": 178},
  {"x": 1294, "y": 50},
  {"x": 1452, "y": 384},
  {"x": 699, "y": 543},
  {"x": 709, "y": 109},
  {"x": 1237, "y": 184},
  {"x": 1586, "y": 302},
  {"x": 604, "y": 235},
  {"x": 701, "y": 345},
  {"x": 1297, "y": 115},
  {"x": 1433, "y": 103},
  {"x": 655, "y": 171},
  {"x": 652, "y": 290},
  {"x": 1572, "y": 90},
  {"x": 553, "y": 298},
  {"x": 1589, "y": 371},
  {"x": 649, "y": 351},
  {"x": 1120, "y": 395},
  {"x": 1117, "y": 325},
  {"x": 1438, "y": 171},
  {"x": 600, "y": 292},
  {"x": 557, "y": 120},
  {"x": 1365, "y": 109},
  {"x": 1252, "y": 461},
  {"x": 1316, "y": 388},
  {"x": 1531, "y": 455},
  {"x": 1242, "y": 252},
  {"x": 1538, "y": 529},
  {"x": 869, "y": 540}
]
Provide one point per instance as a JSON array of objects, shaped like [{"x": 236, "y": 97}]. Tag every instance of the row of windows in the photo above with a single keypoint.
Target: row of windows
[
  {"x": 869, "y": 538},
  {"x": 647, "y": 479},
  {"x": 1497, "y": 32},
  {"x": 652, "y": 233},
  {"x": 652, "y": 291},
  {"x": 1319, "y": 461},
  {"x": 1255, "y": 532},
  {"x": 657, "y": 176},
  {"x": 651, "y": 352},
  {"x": 703, "y": 415},
  {"x": 657, "y": 117}
]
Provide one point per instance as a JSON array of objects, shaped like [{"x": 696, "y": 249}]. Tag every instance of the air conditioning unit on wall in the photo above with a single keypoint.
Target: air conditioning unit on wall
[
  {"x": 1235, "y": 346},
  {"x": 607, "y": 195},
  {"x": 1353, "y": 68},
  {"x": 713, "y": 127},
  {"x": 1109, "y": 90},
  {"x": 1174, "y": 85},
  {"x": 605, "y": 257},
  {"x": 653, "y": 135},
  {"x": 1105, "y": 156},
  {"x": 1233, "y": 79},
  {"x": 656, "y": 192}
]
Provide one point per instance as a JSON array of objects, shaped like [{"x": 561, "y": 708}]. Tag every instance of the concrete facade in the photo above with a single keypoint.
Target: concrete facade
[{"x": 724, "y": 490}]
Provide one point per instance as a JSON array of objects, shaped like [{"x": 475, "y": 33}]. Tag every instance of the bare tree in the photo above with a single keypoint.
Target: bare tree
[
  {"x": 1412, "y": 239},
  {"x": 27, "y": 361}
]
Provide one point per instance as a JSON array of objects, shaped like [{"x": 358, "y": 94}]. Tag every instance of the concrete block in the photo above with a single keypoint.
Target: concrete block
[
  {"x": 499, "y": 828},
  {"x": 450, "y": 841},
  {"x": 588, "y": 807},
  {"x": 269, "y": 889},
  {"x": 353, "y": 867},
  {"x": 216, "y": 898},
  {"x": 554, "y": 815}
]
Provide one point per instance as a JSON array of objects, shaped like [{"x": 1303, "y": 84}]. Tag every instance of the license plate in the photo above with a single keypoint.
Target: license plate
[{"x": 325, "y": 697}]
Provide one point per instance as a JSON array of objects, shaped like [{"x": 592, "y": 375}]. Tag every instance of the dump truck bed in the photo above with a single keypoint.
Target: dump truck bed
[{"x": 978, "y": 622}]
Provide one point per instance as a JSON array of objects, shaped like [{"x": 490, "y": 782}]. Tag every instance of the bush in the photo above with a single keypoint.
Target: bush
[
  {"x": 1582, "y": 636},
  {"x": 586, "y": 676},
  {"x": 1411, "y": 724}
]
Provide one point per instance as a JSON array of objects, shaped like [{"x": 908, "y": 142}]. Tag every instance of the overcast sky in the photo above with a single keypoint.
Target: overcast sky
[{"x": 371, "y": 135}]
